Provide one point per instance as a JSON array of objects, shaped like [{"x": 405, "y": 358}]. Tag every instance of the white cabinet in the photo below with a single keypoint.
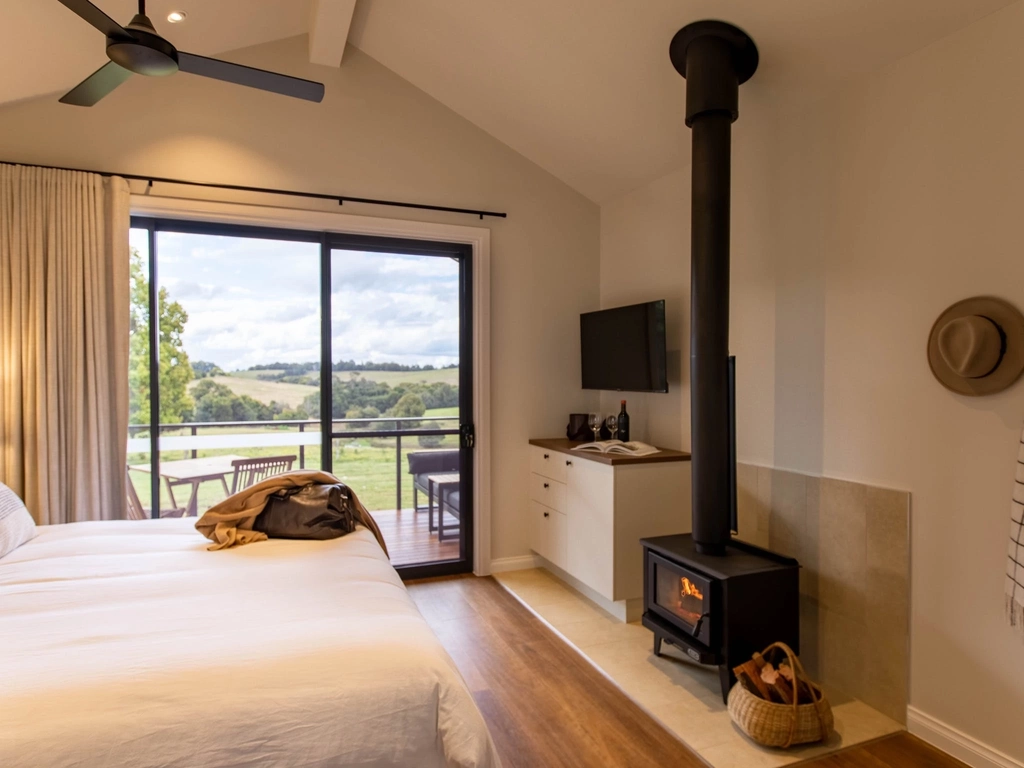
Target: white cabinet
[
  {"x": 547, "y": 532},
  {"x": 590, "y": 512},
  {"x": 587, "y": 516}
]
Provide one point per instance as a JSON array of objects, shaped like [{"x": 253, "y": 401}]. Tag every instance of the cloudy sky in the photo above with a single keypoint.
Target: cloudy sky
[{"x": 257, "y": 301}]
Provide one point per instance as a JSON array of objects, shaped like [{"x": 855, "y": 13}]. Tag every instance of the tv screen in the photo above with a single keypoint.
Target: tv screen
[{"x": 624, "y": 348}]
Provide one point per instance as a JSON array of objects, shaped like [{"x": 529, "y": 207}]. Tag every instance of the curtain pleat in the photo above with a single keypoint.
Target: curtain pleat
[{"x": 64, "y": 342}]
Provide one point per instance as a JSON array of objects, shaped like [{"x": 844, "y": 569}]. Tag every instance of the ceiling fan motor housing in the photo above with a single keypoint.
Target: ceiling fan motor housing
[{"x": 145, "y": 53}]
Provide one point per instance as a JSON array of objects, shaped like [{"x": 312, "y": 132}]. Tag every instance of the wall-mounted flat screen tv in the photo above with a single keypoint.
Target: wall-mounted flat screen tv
[{"x": 624, "y": 348}]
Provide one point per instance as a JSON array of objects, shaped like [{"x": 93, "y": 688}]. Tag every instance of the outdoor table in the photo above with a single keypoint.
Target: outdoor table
[{"x": 193, "y": 472}]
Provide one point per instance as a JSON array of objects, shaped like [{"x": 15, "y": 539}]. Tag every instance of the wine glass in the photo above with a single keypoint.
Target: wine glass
[
  {"x": 594, "y": 420},
  {"x": 612, "y": 422}
]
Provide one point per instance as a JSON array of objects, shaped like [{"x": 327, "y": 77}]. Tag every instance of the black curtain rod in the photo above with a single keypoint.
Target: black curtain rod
[{"x": 342, "y": 199}]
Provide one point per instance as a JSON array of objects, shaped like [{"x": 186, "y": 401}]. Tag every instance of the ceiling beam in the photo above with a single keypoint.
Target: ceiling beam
[{"x": 329, "y": 24}]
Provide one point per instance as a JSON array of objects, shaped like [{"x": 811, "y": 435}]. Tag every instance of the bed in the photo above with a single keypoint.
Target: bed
[{"x": 128, "y": 644}]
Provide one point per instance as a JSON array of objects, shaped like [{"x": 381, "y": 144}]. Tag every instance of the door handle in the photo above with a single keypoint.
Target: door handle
[
  {"x": 545, "y": 485},
  {"x": 546, "y": 514},
  {"x": 546, "y": 456},
  {"x": 568, "y": 463}
]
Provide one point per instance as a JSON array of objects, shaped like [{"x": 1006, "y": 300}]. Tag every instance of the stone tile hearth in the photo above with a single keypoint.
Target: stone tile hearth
[{"x": 681, "y": 695}]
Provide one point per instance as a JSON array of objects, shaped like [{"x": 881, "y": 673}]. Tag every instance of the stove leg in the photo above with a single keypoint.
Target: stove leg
[
  {"x": 725, "y": 680},
  {"x": 657, "y": 645}
]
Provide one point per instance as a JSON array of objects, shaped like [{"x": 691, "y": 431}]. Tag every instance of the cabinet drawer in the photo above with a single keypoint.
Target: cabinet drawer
[
  {"x": 548, "y": 463},
  {"x": 548, "y": 492},
  {"x": 548, "y": 533}
]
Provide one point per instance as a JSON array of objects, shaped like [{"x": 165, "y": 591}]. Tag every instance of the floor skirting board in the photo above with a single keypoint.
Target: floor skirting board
[
  {"x": 956, "y": 743},
  {"x": 520, "y": 563}
]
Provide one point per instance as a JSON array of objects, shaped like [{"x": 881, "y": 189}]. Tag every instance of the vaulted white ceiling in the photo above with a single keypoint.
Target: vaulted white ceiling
[{"x": 583, "y": 88}]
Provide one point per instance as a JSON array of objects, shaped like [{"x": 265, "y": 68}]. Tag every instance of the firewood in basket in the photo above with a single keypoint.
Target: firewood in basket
[
  {"x": 780, "y": 688},
  {"x": 804, "y": 693},
  {"x": 752, "y": 672}
]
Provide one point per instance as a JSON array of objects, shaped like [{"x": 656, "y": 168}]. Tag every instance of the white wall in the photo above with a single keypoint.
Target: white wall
[
  {"x": 645, "y": 237},
  {"x": 645, "y": 246},
  {"x": 870, "y": 213},
  {"x": 928, "y": 197},
  {"x": 375, "y": 135}
]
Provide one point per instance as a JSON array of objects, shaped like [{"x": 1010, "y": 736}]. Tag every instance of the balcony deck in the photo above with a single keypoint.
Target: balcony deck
[{"x": 409, "y": 540}]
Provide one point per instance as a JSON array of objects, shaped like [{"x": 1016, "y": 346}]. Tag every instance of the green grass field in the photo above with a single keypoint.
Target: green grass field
[
  {"x": 453, "y": 411},
  {"x": 291, "y": 395}
]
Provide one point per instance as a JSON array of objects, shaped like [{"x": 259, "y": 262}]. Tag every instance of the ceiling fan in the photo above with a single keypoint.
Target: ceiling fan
[{"x": 138, "y": 48}]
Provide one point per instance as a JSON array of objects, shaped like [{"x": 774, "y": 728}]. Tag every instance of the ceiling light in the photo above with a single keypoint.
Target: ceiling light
[{"x": 176, "y": 17}]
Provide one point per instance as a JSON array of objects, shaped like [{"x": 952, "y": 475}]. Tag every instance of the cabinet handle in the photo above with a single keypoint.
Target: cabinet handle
[
  {"x": 545, "y": 485},
  {"x": 568, "y": 463},
  {"x": 546, "y": 514},
  {"x": 546, "y": 456}
]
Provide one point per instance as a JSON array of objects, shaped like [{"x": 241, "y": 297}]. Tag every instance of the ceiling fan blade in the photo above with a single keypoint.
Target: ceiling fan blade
[
  {"x": 250, "y": 76},
  {"x": 97, "y": 18},
  {"x": 96, "y": 86}
]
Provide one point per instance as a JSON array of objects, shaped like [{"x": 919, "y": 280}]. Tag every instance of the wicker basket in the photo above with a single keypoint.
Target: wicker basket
[{"x": 782, "y": 725}]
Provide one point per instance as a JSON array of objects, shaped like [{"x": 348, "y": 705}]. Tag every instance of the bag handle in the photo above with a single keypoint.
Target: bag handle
[{"x": 798, "y": 674}]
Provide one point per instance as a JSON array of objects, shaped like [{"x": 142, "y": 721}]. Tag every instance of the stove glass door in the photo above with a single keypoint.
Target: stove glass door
[{"x": 679, "y": 595}]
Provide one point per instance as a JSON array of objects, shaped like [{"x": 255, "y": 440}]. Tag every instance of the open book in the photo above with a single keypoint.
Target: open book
[{"x": 632, "y": 448}]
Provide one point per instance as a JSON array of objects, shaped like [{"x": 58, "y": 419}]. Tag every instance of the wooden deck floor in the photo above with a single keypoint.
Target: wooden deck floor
[
  {"x": 545, "y": 705},
  {"x": 409, "y": 540}
]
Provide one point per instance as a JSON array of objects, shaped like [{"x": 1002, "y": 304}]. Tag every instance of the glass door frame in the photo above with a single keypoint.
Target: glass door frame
[
  {"x": 330, "y": 241},
  {"x": 463, "y": 254}
]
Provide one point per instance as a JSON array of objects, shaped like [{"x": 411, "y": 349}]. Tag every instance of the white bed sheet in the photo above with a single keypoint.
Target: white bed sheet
[{"x": 129, "y": 645}]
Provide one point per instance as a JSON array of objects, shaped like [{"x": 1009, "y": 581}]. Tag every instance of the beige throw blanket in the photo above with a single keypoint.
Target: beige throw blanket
[{"x": 229, "y": 523}]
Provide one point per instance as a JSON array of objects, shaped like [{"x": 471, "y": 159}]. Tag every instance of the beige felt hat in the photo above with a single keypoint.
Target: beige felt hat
[{"x": 976, "y": 347}]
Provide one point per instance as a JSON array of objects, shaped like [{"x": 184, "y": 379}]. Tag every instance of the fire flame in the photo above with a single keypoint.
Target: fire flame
[{"x": 689, "y": 589}]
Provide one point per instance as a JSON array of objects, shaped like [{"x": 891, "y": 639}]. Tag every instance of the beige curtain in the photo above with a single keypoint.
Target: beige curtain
[{"x": 64, "y": 342}]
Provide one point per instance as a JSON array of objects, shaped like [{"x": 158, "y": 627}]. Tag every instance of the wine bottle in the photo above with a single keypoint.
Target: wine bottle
[{"x": 623, "y": 424}]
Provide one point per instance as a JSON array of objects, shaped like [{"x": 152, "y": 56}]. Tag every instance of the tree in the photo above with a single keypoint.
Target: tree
[
  {"x": 411, "y": 404},
  {"x": 202, "y": 369},
  {"x": 216, "y": 402},
  {"x": 176, "y": 405}
]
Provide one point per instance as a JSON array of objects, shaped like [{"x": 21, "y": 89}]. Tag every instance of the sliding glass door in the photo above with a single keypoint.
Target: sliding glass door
[
  {"x": 401, "y": 392},
  {"x": 261, "y": 332}
]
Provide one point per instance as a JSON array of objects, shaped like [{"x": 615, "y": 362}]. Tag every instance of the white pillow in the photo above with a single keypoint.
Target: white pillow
[{"x": 16, "y": 524}]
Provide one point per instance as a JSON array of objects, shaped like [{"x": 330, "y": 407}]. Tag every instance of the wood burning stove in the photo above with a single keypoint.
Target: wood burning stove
[
  {"x": 719, "y": 609},
  {"x": 718, "y": 599}
]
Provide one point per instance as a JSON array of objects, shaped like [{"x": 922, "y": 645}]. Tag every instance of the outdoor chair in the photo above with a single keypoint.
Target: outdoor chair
[
  {"x": 137, "y": 512},
  {"x": 423, "y": 464},
  {"x": 248, "y": 472}
]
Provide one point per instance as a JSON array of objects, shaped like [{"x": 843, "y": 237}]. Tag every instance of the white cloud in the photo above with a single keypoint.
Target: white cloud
[{"x": 257, "y": 301}]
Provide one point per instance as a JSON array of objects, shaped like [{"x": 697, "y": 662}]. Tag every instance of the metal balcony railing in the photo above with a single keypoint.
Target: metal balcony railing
[{"x": 303, "y": 432}]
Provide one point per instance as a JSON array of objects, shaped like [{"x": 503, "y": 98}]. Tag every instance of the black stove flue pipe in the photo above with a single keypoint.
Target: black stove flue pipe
[{"x": 715, "y": 58}]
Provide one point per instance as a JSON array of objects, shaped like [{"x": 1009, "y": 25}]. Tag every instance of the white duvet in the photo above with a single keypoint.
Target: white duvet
[{"x": 128, "y": 645}]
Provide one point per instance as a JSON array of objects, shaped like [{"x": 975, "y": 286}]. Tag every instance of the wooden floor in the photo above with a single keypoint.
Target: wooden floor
[
  {"x": 546, "y": 706},
  {"x": 409, "y": 540}
]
